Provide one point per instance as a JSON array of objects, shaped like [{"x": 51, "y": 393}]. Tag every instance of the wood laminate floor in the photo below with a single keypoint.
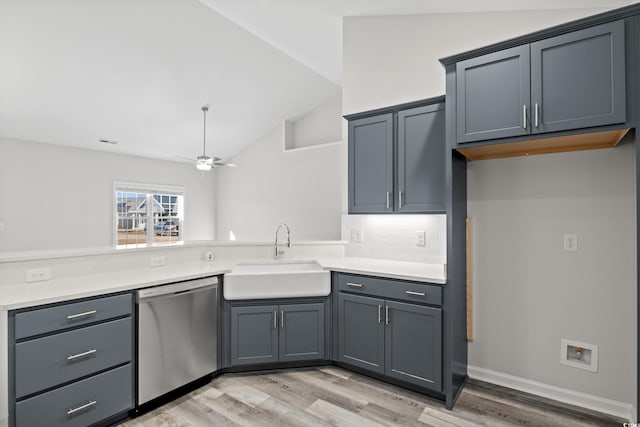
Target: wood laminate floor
[{"x": 333, "y": 396}]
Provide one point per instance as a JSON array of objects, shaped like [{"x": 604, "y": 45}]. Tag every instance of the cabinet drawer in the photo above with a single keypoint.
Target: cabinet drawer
[
  {"x": 390, "y": 288},
  {"x": 52, "y": 319},
  {"x": 111, "y": 391},
  {"x": 49, "y": 361}
]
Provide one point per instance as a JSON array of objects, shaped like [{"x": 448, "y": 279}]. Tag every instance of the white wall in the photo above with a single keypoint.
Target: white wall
[
  {"x": 528, "y": 293},
  {"x": 54, "y": 197},
  {"x": 321, "y": 125},
  {"x": 302, "y": 187}
]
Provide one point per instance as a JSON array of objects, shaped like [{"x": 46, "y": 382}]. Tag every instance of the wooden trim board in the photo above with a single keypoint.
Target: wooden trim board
[
  {"x": 584, "y": 141},
  {"x": 469, "y": 280}
]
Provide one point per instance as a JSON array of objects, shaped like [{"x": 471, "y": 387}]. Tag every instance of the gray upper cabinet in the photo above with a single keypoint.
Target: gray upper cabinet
[
  {"x": 277, "y": 333},
  {"x": 420, "y": 164},
  {"x": 493, "y": 95},
  {"x": 396, "y": 159},
  {"x": 371, "y": 164},
  {"x": 572, "y": 81},
  {"x": 578, "y": 79},
  {"x": 413, "y": 344}
]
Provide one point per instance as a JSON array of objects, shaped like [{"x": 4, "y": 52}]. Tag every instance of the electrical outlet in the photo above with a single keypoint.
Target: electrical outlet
[
  {"x": 38, "y": 275},
  {"x": 420, "y": 238},
  {"x": 356, "y": 235},
  {"x": 208, "y": 256},
  {"x": 157, "y": 261},
  {"x": 571, "y": 242}
]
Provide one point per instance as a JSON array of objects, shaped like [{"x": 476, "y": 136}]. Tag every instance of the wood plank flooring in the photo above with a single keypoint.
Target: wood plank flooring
[{"x": 333, "y": 396}]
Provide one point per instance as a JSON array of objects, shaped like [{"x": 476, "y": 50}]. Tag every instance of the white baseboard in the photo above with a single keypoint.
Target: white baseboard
[{"x": 607, "y": 406}]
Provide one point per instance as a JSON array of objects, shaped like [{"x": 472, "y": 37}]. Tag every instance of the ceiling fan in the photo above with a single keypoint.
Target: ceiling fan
[{"x": 205, "y": 162}]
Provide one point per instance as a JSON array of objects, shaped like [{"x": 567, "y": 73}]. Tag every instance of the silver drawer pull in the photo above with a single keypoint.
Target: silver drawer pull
[
  {"x": 81, "y": 407},
  {"x": 355, "y": 285},
  {"x": 79, "y": 355},
  {"x": 85, "y": 314},
  {"x": 418, "y": 294}
]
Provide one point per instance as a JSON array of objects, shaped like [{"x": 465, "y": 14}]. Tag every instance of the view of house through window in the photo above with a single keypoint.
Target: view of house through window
[{"x": 146, "y": 215}]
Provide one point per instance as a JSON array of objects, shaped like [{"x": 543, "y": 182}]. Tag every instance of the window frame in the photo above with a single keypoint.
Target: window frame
[{"x": 149, "y": 190}]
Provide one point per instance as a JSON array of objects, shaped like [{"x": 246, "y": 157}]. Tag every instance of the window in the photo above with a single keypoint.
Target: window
[{"x": 147, "y": 215}]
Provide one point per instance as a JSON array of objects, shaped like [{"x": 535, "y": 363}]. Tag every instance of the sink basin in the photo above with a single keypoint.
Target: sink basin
[{"x": 277, "y": 279}]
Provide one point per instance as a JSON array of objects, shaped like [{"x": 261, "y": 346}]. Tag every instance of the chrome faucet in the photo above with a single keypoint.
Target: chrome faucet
[{"x": 275, "y": 246}]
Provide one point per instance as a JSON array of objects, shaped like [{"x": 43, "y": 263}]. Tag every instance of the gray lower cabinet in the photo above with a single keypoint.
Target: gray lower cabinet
[
  {"x": 398, "y": 339},
  {"x": 572, "y": 81},
  {"x": 71, "y": 364},
  {"x": 361, "y": 331},
  {"x": 412, "y": 342},
  {"x": 254, "y": 334},
  {"x": 277, "y": 333}
]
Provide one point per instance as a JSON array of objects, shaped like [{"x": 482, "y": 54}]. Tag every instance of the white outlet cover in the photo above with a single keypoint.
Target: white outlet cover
[
  {"x": 570, "y": 242},
  {"x": 420, "y": 238},
  {"x": 356, "y": 235}
]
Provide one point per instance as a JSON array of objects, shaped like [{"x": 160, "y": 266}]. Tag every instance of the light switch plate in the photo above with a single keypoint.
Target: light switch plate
[{"x": 356, "y": 235}]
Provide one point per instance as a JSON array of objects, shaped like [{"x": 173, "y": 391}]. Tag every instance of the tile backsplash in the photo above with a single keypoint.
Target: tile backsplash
[{"x": 394, "y": 237}]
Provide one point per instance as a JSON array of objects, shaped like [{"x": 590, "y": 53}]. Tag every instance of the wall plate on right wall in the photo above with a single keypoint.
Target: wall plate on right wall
[{"x": 579, "y": 355}]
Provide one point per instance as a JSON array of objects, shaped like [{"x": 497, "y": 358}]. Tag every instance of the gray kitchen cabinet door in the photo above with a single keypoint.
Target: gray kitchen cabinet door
[
  {"x": 254, "y": 334},
  {"x": 302, "y": 332},
  {"x": 361, "y": 331},
  {"x": 493, "y": 95},
  {"x": 413, "y": 343},
  {"x": 578, "y": 79},
  {"x": 371, "y": 164},
  {"x": 421, "y": 158}
]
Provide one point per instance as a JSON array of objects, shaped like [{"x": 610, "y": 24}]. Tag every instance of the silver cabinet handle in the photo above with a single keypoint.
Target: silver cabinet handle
[
  {"x": 81, "y": 407},
  {"x": 399, "y": 198},
  {"x": 85, "y": 314},
  {"x": 379, "y": 314},
  {"x": 388, "y": 200},
  {"x": 386, "y": 315},
  {"x": 79, "y": 355},
  {"x": 275, "y": 319},
  {"x": 282, "y": 318},
  {"x": 536, "y": 114},
  {"x": 418, "y": 294},
  {"x": 524, "y": 116},
  {"x": 355, "y": 285}
]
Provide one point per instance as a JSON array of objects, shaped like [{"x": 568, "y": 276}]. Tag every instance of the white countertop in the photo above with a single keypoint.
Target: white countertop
[{"x": 31, "y": 294}]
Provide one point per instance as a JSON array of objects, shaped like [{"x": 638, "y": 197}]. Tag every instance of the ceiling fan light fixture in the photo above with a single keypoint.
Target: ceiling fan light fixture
[{"x": 203, "y": 166}]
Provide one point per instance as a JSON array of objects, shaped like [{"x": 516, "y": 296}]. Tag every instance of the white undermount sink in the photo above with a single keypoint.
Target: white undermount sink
[{"x": 277, "y": 279}]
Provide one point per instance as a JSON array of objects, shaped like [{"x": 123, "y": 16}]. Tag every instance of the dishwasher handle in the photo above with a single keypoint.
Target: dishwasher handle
[{"x": 180, "y": 288}]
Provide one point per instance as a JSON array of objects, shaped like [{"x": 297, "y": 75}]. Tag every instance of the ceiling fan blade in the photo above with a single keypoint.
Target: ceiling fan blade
[{"x": 219, "y": 164}]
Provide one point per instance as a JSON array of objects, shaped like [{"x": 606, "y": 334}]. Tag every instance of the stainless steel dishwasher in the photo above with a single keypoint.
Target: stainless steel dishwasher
[{"x": 177, "y": 335}]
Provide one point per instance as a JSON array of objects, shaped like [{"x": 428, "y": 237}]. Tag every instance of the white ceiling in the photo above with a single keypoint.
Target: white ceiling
[{"x": 137, "y": 71}]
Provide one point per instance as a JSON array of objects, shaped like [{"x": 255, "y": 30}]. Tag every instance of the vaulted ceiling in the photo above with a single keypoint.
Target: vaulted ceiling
[{"x": 73, "y": 72}]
